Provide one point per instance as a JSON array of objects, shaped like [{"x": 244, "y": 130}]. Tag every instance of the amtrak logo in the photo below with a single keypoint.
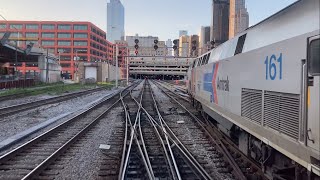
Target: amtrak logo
[{"x": 209, "y": 83}]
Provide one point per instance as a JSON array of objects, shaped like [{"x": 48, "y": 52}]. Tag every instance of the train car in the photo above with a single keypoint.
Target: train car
[{"x": 261, "y": 88}]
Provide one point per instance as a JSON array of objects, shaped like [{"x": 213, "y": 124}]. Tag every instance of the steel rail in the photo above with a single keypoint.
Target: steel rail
[
  {"x": 182, "y": 149},
  {"x": 141, "y": 135},
  {"x": 180, "y": 96},
  {"x": 133, "y": 135},
  {"x": 177, "y": 173},
  {"x": 219, "y": 144},
  {"x": 60, "y": 150},
  {"x": 125, "y": 136},
  {"x": 8, "y": 110},
  {"x": 173, "y": 172}
]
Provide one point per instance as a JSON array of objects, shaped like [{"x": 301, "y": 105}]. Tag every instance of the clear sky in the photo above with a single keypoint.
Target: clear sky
[{"x": 162, "y": 18}]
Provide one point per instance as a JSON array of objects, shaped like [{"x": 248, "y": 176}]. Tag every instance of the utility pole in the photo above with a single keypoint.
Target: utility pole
[
  {"x": 127, "y": 61},
  {"x": 47, "y": 65},
  {"x": 16, "y": 64},
  {"x": 117, "y": 53}
]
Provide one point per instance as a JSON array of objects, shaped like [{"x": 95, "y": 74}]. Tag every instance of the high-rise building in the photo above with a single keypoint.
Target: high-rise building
[
  {"x": 69, "y": 40},
  {"x": 115, "y": 21},
  {"x": 184, "y": 46},
  {"x": 169, "y": 47},
  {"x": 183, "y": 33},
  {"x": 239, "y": 17},
  {"x": 146, "y": 46},
  {"x": 220, "y": 21},
  {"x": 193, "y": 42},
  {"x": 204, "y": 39}
]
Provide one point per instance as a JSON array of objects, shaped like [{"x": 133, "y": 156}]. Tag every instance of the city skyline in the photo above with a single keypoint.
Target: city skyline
[{"x": 138, "y": 18}]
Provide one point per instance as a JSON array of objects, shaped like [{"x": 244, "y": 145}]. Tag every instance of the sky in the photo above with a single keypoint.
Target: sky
[{"x": 162, "y": 18}]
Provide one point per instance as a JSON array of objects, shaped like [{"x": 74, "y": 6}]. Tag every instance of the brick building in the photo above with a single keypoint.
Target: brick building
[{"x": 70, "y": 40}]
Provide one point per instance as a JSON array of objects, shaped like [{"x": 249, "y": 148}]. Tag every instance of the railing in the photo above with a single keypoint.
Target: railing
[{"x": 18, "y": 81}]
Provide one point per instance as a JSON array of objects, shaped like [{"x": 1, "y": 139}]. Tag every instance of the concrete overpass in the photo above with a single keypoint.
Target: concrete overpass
[{"x": 159, "y": 66}]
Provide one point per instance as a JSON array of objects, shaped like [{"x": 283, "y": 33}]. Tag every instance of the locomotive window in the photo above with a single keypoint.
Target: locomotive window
[
  {"x": 240, "y": 44},
  {"x": 208, "y": 58},
  {"x": 314, "y": 58},
  {"x": 200, "y": 60}
]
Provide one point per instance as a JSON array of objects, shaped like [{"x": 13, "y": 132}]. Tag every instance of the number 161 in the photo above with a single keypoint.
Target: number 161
[{"x": 272, "y": 64}]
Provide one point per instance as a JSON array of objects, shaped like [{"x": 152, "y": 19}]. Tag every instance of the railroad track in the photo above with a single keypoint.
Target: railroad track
[
  {"x": 241, "y": 165},
  {"x": 151, "y": 158},
  {"x": 9, "y": 110},
  {"x": 31, "y": 159},
  {"x": 12, "y": 96}
]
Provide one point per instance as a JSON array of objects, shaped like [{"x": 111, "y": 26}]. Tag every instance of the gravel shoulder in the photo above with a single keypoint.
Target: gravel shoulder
[
  {"x": 87, "y": 157},
  {"x": 27, "y": 99},
  {"x": 16, "y": 123}
]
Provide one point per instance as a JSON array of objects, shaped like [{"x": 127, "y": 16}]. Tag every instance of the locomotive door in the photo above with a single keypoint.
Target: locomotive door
[{"x": 313, "y": 93}]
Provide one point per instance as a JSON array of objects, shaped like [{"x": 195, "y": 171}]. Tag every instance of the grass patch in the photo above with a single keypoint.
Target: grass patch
[{"x": 52, "y": 89}]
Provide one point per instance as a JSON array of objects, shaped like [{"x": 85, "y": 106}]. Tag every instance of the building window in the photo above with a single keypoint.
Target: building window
[
  {"x": 64, "y": 43},
  {"x": 80, "y": 35},
  {"x": 80, "y": 43},
  {"x": 65, "y": 58},
  {"x": 48, "y": 43},
  {"x": 47, "y": 26},
  {"x": 65, "y": 64},
  {"x": 51, "y": 50},
  {"x": 15, "y": 26},
  {"x": 81, "y": 50},
  {"x": 64, "y": 35},
  {"x": 34, "y": 42},
  {"x": 15, "y": 34},
  {"x": 47, "y": 35},
  {"x": 80, "y": 27},
  {"x": 64, "y": 50},
  {"x": 32, "y": 26},
  {"x": 3, "y": 26},
  {"x": 83, "y": 58},
  {"x": 32, "y": 35},
  {"x": 64, "y": 27}
]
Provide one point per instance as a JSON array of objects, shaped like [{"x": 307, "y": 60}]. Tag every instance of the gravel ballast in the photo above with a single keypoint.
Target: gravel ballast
[
  {"x": 14, "y": 124},
  {"x": 86, "y": 156},
  {"x": 173, "y": 114}
]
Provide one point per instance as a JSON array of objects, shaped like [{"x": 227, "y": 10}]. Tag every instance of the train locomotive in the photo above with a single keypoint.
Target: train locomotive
[{"x": 262, "y": 89}]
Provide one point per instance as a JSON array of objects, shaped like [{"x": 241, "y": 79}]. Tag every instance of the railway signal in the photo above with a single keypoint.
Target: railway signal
[
  {"x": 212, "y": 43},
  {"x": 175, "y": 44},
  {"x": 136, "y": 46},
  {"x": 194, "y": 43},
  {"x": 156, "y": 44}
]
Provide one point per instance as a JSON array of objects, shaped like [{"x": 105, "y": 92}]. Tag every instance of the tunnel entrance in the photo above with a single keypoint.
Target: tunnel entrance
[{"x": 158, "y": 77}]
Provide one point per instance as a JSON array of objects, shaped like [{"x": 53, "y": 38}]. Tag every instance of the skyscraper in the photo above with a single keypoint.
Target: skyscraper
[
  {"x": 183, "y": 33},
  {"x": 220, "y": 21},
  {"x": 169, "y": 47},
  {"x": 184, "y": 46},
  {"x": 239, "y": 17},
  {"x": 115, "y": 21},
  {"x": 204, "y": 39}
]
